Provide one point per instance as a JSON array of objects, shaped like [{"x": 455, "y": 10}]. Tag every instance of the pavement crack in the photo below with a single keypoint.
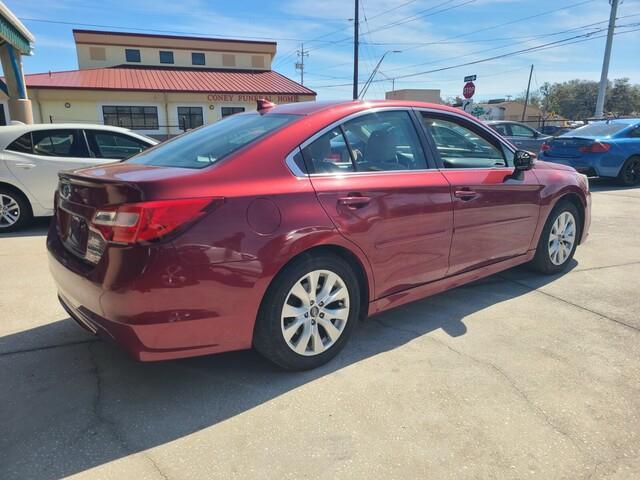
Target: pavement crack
[
  {"x": 560, "y": 299},
  {"x": 48, "y": 347},
  {"x": 605, "y": 266},
  {"x": 112, "y": 427}
]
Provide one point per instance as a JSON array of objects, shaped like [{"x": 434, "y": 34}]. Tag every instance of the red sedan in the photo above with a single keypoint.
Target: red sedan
[{"x": 279, "y": 229}]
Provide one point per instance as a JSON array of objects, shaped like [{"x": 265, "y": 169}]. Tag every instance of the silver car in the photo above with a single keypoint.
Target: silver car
[{"x": 522, "y": 136}]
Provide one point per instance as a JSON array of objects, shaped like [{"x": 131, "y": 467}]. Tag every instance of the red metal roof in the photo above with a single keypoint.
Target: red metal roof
[{"x": 170, "y": 80}]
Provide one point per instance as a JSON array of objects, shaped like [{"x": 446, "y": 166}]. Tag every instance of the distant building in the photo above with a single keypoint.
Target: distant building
[
  {"x": 415, "y": 94},
  {"x": 507, "y": 110},
  {"x": 160, "y": 84}
]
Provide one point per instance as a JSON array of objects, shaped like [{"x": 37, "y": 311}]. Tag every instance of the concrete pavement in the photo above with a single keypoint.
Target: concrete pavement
[{"x": 516, "y": 376}]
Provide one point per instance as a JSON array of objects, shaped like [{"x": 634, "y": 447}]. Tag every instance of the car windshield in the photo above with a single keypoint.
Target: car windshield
[
  {"x": 600, "y": 129},
  {"x": 205, "y": 146}
]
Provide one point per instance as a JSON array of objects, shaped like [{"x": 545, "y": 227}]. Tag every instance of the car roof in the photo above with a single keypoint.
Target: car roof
[
  {"x": 623, "y": 121},
  {"x": 312, "y": 107},
  {"x": 495, "y": 122}
]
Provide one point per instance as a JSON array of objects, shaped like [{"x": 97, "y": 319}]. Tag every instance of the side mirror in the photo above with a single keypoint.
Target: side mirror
[{"x": 523, "y": 160}]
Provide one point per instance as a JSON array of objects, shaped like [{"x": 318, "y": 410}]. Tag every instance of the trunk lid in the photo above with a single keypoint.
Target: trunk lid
[
  {"x": 82, "y": 192},
  {"x": 567, "y": 147}
]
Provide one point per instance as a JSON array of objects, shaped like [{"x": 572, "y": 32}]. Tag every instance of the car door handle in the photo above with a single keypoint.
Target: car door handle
[
  {"x": 465, "y": 194},
  {"x": 25, "y": 165},
  {"x": 354, "y": 201}
]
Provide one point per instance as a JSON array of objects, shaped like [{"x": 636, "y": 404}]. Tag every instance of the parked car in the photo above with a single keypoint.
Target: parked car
[
  {"x": 554, "y": 130},
  {"x": 608, "y": 148},
  {"x": 521, "y": 135},
  {"x": 247, "y": 233},
  {"x": 32, "y": 155}
]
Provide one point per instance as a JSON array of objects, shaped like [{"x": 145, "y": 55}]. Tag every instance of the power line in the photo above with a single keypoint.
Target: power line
[
  {"x": 561, "y": 32},
  {"x": 546, "y": 46}
]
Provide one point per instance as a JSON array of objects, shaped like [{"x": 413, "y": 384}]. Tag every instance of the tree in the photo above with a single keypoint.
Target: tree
[{"x": 576, "y": 99}]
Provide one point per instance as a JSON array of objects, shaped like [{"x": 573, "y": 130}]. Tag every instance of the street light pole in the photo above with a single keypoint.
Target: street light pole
[
  {"x": 607, "y": 57},
  {"x": 356, "y": 23},
  {"x": 367, "y": 84}
]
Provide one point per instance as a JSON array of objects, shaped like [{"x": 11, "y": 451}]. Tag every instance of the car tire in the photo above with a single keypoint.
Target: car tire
[
  {"x": 15, "y": 210},
  {"x": 630, "y": 172},
  {"x": 295, "y": 328},
  {"x": 558, "y": 240}
]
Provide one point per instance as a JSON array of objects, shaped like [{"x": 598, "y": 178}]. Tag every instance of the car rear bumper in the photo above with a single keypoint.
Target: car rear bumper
[
  {"x": 161, "y": 309},
  {"x": 592, "y": 165}
]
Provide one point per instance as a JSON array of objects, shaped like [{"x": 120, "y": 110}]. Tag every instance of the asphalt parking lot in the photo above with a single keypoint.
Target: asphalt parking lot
[{"x": 516, "y": 376}]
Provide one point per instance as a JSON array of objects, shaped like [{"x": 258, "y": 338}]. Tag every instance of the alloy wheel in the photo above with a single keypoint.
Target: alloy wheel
[
  {"x": 315, "y": 312},
  {"x": 9, "y": 211},
  {"x": 562, "y": 238},
  {"x": 631, "y": 172}
]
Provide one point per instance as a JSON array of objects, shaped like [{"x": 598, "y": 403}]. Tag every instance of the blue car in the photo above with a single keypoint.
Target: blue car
[{"x": 608, "y": 148}]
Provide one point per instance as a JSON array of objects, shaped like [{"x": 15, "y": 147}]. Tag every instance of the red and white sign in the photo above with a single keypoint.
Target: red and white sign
[{"x": 468, "y": 90}]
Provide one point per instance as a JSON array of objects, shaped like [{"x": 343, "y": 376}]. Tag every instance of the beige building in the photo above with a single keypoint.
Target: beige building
[
  {"x": 160, "y": 85},
  {"x": 415, "y": 94},
  {"x": 508, "y": 110}
]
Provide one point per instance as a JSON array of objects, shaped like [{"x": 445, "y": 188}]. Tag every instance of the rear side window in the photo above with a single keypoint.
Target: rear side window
[
  {"x": 205, "y": 146},
  {"x": 22, "y": 144},
  {"x": 385, "y": 141},
  {"x": 58, "y": 143},
  {"x": 328, "y": 154},
  {"x": 114, "y": 145},
  {"x": 501, "y": 128}
]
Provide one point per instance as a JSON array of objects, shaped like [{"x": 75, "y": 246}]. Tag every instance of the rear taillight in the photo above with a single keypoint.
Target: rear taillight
[
  {"x": 545, "y": 147},
  {"x": 596, "y": 147},
  {"x": 147, "y": 221}
]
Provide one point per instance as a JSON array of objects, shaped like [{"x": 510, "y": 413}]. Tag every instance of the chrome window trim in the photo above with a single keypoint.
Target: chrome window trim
[
  {"x": 293, "y": 167},
  {"x": 296, "y": 171}
]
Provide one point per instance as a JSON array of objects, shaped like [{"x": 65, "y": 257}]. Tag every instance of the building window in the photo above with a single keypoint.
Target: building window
[
  {"x": 98, "y": 53},
  {"x": 132, "y": 55},
  {"x": 257, "y": 61},
  {"x": 166, "y": 57},
  {"x": 226, "y": 111},
  {"x": 136, "y": 118},
  {"x": 197, "y": 58},
  {"x": 228, "y": 60},
  {"x": 189, "y": 117}
]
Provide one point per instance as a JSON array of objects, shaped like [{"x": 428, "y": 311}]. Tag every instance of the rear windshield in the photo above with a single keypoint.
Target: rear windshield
[
  {"x": 205, "y": 146},
  {"x": 596, "y": 130}
]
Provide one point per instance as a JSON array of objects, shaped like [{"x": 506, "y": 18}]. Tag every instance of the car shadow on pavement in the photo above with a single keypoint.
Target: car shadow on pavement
[
  {"x": 39, "y": 227},
  {"x": 608, "y": 184},
  {"x": 71, "y": 402}
]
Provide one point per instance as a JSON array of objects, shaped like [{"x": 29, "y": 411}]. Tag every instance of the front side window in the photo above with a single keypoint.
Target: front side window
[
  {"x": 133, "y": 117},
  {"x": 189, "y": 117},
  {"x": 21, "y": 144},
  {"x": 132, "y": 55},
  {"x": 329, "y": 153},
  {"x": 460, "y": 146},
  {"x": 166, "y": 56},
  {"x": 635, "y": 133},
  {"x": 205, "y": 146},
  {"x": 522, "y": 131},
  {"x": 114, "y": 145},
  {"x": 226, "y": 111},
  {"x": 197, "y": 58},
  {"x": 58, "y": 143}
]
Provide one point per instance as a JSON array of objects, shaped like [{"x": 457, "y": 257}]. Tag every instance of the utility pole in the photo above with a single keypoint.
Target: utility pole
[
  {"x": 300, "y": 65},
  {"x": 526, "y": 97},
  {"x": 605, "y": 62},
  {"x": 356, "y": 24}
]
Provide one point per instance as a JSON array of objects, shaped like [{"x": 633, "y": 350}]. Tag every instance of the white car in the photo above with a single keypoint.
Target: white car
[{"x": 32, "y": 155}]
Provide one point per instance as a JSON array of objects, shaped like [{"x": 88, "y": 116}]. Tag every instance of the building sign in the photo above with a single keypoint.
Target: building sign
[{"x": 247, "y": 98}]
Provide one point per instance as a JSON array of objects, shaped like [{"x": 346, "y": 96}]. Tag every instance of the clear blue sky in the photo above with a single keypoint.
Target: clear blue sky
[{"x": 432, "y": 34}]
